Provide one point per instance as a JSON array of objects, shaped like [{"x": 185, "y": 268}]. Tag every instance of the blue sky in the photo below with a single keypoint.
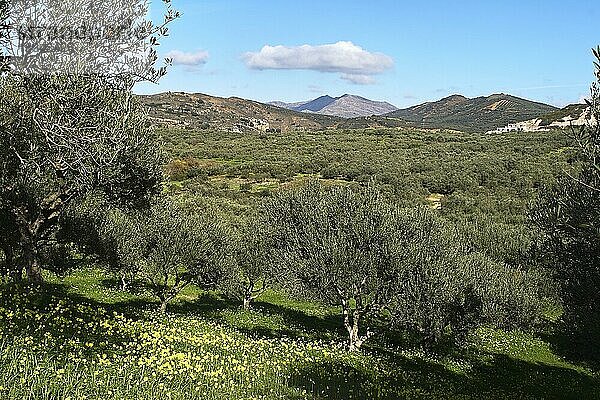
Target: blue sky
[{"x": 402, "y": 52}]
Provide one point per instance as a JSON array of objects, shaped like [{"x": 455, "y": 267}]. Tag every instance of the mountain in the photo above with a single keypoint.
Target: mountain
[
  {"x": 481, "y": 114},
  {"x": 349, "y": 106},
  {"x": 478, "y": 114},
  {"x": 346, "y": 106},
  {"x": 201, "y": 111},
  {"x": 571, "y": 113},
  {"x": 314, "y": 105}
]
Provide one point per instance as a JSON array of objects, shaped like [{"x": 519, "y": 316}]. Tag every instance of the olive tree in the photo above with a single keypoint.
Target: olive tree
[
  {"x": 71, "y": 137},
  {"x": 253, "y": 269},
  {"x": 121, "y": 246},
  {"x": 104, "y": 234},
  {"x": 70, "y": 124},
  {"x": 113, "y": 39},
  {"x": 568, "y": 216},
  {"x": 166, "y": 246},
  {"x": 459, "y": 276},
  {"x": 445, "y": 293},
  {"x": 180, "y": 248},
  {"x": 342, "y": 247}
]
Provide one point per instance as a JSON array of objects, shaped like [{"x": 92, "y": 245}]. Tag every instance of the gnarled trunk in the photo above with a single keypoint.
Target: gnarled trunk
[
  {"x": 34, "y": 226},
  {"x": 32, "y": 266},
  {"x": 247, "y": 301},
  {"x": 165, "y": 300},
  {"x": 251, "y": 292},
  {"x": 351, "y": 323},
  {"x": 124, "y": 285},
  {"x": 163, "y": 306}
]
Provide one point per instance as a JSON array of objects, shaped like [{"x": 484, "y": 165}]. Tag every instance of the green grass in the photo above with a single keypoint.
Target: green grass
[{"x": 81, "y": 338}]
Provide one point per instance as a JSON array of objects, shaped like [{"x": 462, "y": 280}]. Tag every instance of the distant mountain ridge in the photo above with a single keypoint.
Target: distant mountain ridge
[
  {"x": 499, "y": 112},
  {"x": 478, "y": 114},
  {"x": 346, "y": 106},
  {"x": 315, "y": 105}
]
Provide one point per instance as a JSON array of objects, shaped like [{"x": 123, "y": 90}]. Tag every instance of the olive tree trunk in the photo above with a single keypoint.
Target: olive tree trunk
[
  {"x": 352, "y": 318},
  {"x": 247, "y": 301},
  {"x": 252, "y": 292},
  {"x": 164, "y": 302},
  {"x": 163, "y": 306},
  {"x": 32, "y": 265}
]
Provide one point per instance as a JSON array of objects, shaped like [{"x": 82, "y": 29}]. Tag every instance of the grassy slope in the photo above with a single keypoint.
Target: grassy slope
[{"x": 85, "y": 339}]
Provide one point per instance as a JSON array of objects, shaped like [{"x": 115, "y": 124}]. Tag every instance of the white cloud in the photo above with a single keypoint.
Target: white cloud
[
  {"x": 183, "y": 58},
  {"x": 353, "y": 62}
]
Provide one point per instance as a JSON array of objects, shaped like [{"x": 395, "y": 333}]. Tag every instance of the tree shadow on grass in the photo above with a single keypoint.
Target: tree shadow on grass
[
  {"x": 390, "y": 376},
  {"x": 136, "y": 287},
  {"x": 142, "y": 301},
  {"x": 213, "y": 306},
  {"x": 299, "y": 323},
  {"x": 263, "y": 320},
  {"x": 506, "y": 377},
  {"x": 580, "y": 346},
  {"x": 407, "y": 378}
]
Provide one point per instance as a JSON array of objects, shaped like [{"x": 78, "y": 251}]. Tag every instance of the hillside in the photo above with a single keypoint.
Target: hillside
[
  {"x": 481, "y": 114},
  {"x": 201, "y": 111},
  {"x": 572, "y": 112},
  {"x": 346, "y": 106},
  {"x": 570, "y": 116},
  {"x": 474, "y": 115}
]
